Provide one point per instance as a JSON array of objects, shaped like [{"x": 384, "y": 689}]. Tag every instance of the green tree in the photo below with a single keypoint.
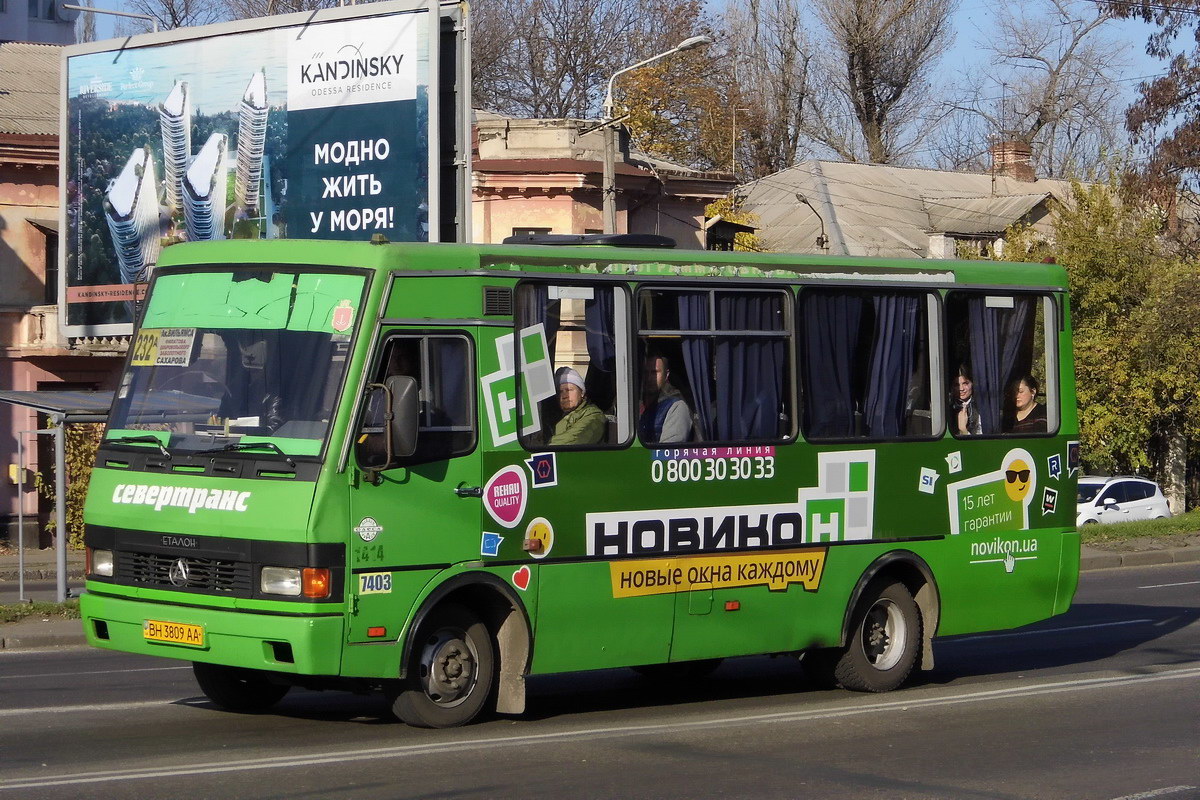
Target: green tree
[
  {"x": 1136, "y": 334},
  {"x": 729, "y": 208},
  {"x": 82, "y": 440}
]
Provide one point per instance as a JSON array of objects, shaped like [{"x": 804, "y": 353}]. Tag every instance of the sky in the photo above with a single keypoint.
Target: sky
[{"x": 970, "y": 23}]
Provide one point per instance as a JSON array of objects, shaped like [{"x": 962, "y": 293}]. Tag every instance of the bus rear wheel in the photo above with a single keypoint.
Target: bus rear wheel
[
  {"x": 237, "y": 689},
  {"x": 452, "y": 671},
  {"x": 882, "y": 648}
]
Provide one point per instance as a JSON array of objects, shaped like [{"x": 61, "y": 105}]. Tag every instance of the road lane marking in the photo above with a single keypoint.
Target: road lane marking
[
  {"x": 1165, "y": 585},
  {"x": 441, "y": 747},
  {"x": 17, "y": 712},
  {"x": 1051, "y": 630},
  {"x": 94, "y": 672},
  {"x": 1168, "y": 790}
]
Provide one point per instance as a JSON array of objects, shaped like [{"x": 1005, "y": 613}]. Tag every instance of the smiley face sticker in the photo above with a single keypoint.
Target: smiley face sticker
[
  {"x": 996, "y": 501},
  {"x": 539, "y": 538},
  {"x": 1017, "y": 475}
]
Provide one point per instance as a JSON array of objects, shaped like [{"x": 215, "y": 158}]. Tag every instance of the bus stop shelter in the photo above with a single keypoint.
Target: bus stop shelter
[{"x": 62, "y": 408}]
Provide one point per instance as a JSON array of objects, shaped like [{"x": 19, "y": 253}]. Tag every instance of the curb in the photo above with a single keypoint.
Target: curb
[
  {"x": 37, "y": 640},
  {"x": 1138, "y": 558},
  {"x": 40, "y": 574}
]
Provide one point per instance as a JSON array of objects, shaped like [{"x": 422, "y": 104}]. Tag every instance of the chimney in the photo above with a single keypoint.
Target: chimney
[{"x": 1012, "y": 158}]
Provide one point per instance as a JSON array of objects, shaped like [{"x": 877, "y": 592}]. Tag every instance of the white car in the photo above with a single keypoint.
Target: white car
[{"x": 1119, "y": 499}]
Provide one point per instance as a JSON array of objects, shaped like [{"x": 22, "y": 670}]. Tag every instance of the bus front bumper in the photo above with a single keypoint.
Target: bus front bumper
[{"x": 303, "y": 645}]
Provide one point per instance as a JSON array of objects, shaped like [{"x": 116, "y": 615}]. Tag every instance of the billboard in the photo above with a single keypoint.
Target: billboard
[{"x": 312, "y": 125}]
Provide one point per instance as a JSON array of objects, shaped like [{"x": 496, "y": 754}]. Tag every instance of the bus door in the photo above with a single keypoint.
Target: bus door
[{"x": 407, "y": 521}]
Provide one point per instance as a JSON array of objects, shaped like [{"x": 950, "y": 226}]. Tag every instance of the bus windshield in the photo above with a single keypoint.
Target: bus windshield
[{"x": 227, "y": 360}]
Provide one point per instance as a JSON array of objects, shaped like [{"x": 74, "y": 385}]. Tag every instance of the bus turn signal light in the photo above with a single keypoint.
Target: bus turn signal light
[
  {"x": 733, "y": 605},
  {"x": 315, "y": 582},
  {"x": 376, "y": 633}
]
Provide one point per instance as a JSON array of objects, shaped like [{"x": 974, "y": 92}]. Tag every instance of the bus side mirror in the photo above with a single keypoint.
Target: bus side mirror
[
  {"x": 389, "y": 430},
  {"x": 405, "y": 409}
]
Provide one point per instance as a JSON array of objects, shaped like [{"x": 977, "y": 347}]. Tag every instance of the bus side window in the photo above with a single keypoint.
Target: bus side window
[
  {"x": 587, "y": 364},
  {"x": 1001, "y": 362},
  {"x": 864, "y": 359},
  {"x": 722, "y": 355},
  {"x": 442, "y": 367}
]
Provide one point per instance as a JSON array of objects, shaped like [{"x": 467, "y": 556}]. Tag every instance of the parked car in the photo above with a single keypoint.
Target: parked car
[{"x": 1119, "y": 499}]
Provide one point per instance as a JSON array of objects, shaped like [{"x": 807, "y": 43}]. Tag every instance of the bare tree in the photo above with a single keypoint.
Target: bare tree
[
  {"x": 179, "y": 13},
  {"x": 1050, "y": 83},
  {"x": 772, "y": 70},
  {"x": 245, "y": 9},
  {"x": 85, "y": 26},
  {"x": 879, "y": 58},
  {"x": 553, "y": 58}
]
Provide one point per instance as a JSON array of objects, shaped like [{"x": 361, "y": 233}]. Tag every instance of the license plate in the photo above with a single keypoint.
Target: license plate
[{"x": 173, "y": 633}]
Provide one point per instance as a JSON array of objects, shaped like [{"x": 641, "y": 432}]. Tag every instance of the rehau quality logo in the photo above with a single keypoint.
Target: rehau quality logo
[{"x": 139, "y": 494}]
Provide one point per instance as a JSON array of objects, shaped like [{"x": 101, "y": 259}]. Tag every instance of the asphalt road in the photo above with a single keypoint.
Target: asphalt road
[
  {"x": 39, "y": 590},
  {"x": 1100, "y": 703}
]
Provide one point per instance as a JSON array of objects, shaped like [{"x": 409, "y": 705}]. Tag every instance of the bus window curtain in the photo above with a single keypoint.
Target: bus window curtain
[
  {"x": 831, "y": 325},
  {"x": 540, "y": 309},
  {"x": 697, "y": 355},
  {"x": 996, "y": 337},
  {"x": 749, "y": 371},
  {"x": 891, "y": 368},
  {"x": 602, "y": 352}
]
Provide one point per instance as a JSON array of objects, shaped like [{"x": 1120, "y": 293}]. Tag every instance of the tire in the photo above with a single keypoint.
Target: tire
[
  {"x": 1089, "y": 522},
  {"x": 452, "y": 672},
  {"x": 237, "y": 689},
  {"x": 679, "y": 671},
  {"x": 882, "y": 646}
]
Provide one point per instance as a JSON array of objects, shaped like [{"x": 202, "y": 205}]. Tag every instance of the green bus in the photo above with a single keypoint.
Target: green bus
[{"x": 433, "y": 470}]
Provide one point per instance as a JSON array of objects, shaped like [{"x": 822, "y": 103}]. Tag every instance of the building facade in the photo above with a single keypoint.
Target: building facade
[
  {"x": 33, "y": 353},
  {"x": 546, "y": 176},
  {"x": 42, "y": 21}
]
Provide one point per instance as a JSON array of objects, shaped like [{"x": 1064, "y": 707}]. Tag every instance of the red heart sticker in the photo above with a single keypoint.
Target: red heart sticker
[{"x": 521, "y": 578}]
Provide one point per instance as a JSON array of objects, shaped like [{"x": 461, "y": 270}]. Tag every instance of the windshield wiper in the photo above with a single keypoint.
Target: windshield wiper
[
  {"x": 139, "y": 439},
  {"x": 235, "y": 447}
]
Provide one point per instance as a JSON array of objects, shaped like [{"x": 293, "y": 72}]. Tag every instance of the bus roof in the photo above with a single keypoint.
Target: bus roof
[{"x": 616, "y": 261}]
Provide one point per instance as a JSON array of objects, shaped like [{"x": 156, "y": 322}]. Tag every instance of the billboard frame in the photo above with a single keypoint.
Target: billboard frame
[{"x": 449, "y": 101}]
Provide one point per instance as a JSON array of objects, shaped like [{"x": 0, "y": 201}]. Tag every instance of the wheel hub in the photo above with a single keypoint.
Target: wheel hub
[
  {"x": 450, "y": 668},
  {"x": 884, "y": 635}
]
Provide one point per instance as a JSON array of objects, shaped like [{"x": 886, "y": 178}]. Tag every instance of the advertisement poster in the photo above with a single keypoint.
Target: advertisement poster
[{"x": 308, "y": 131}]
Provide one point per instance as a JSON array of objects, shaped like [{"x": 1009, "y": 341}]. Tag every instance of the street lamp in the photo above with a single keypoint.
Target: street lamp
[
  {"x": 608, "y": 124},
  {"x": 822, "y": 240}
]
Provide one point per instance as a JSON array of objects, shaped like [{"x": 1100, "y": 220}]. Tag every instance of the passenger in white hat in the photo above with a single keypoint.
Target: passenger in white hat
[{"x": 582, "y": 422}]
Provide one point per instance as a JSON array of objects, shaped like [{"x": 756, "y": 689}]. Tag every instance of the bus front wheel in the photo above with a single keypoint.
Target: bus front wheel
[
  {"x": 237, "y": 689},
  {"x": 883, "y": 644},
  {"x": 452, "y": 671}
]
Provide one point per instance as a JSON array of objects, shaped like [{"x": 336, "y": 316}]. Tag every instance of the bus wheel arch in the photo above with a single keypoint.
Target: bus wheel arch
[
  {"x": 911, "y": 570},
  {"x": 507, "y": 621},
  {"x": 887, "y": 628}
]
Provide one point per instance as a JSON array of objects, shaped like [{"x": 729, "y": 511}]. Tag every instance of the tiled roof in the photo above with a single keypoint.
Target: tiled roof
[{"x": 29, "y": 88}]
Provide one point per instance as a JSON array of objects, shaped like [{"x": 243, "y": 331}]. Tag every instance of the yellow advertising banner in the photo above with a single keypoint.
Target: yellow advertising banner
[{"x": 775, "y": 570}]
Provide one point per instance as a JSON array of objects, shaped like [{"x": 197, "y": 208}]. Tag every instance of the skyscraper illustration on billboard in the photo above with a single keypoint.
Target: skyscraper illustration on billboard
[
  {"x": 175, "y": 120},
  {"x": 251, "y": 141},
  {"x": 204, "y": 186},
  {"x": 131, "y": 209}
]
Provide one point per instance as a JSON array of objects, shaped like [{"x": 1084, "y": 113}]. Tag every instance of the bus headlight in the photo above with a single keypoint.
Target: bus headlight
[
  {"x": 312, "y": 582},
  {"x": 102, "y": 563},
  {"x": 280, "y": 580}
]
